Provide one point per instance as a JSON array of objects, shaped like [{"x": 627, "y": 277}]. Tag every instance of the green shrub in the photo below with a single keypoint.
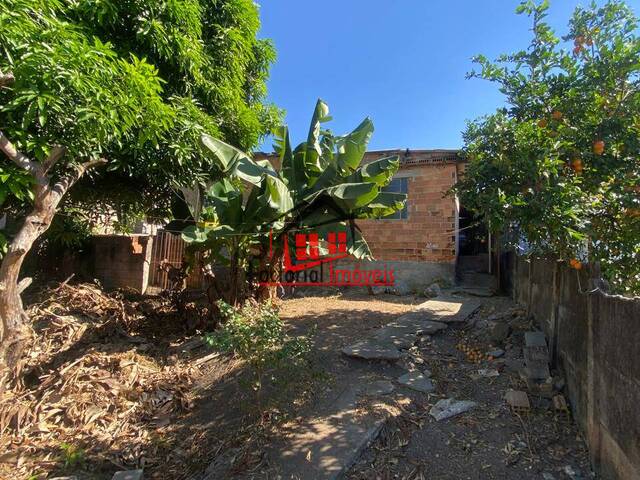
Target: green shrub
[{"x": 255, "y": 333}]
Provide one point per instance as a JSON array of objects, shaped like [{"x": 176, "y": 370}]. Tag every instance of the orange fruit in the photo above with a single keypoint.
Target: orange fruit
[
  {"x": 577, "y": 165},
  {"x": 575, "y": 264},
  {"x": 556, "y": 115},
  {"x": 598, "y": 147},
  {"x": 579, "y": 40},
  {"x": 542, "y": 123}
]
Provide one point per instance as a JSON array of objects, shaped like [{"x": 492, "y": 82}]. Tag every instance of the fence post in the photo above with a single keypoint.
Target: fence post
[{"x": 555, "y": 306}]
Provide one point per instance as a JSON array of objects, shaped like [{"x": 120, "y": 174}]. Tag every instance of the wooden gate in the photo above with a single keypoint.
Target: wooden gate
[{"x": 168, "y": 249}]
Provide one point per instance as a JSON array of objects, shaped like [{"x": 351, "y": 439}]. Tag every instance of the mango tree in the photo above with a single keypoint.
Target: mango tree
[
  {"x": 320, "y": 185},
  {"x": 75, "y": 94}
]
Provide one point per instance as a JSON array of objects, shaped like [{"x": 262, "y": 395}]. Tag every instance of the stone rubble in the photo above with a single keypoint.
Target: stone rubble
[{"x": 450, "y": 407}]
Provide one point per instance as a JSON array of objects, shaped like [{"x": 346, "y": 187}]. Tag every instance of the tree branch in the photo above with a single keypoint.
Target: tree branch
[
  {"x": 6, "y": 79},
  {"x": 17, "y": 157},
  {"x": 66, "y": 182},
  {"x": 56, "y": 154}
]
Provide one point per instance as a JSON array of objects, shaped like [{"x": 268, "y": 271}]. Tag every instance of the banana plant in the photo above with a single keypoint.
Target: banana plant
[{"x": 321, "y": 185}]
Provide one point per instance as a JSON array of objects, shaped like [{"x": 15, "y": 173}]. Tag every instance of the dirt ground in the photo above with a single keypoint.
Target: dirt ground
[
  {"x": 490, "y": 441},
  {"x": 113, "y": 385}
]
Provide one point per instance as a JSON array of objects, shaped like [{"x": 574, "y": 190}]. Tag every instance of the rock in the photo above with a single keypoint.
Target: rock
[
  {"x": 500, "y": 332},
  {"x": 572, "y": 473},
  {"x": 400, "y": 288},
  {"x": 128, "y": 475},
  {"x": 488, "y": 373},
  {"x": 450, "y": 407},
  {"x": 417, "y": 381},
  {"x": 497, "y": 353},
  {"x": 371, "y": 350},
  {"x": 433, "y": 290},
  {"x": 548, "y": 476},
  {"x": 379, "y": 387}
]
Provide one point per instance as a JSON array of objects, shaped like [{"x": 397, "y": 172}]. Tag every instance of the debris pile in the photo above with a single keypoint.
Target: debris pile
[{"x": 90, "y": 384}]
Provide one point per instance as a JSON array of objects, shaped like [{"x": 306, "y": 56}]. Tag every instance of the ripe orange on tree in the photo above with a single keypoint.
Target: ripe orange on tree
[
  {"x": 556, "y": 115},
  {"x": 576, "y": 164},
  {"x": 542, "y": 123},
  {"x": 575, "y": 264},
  {"x": 598, "y": 147}
]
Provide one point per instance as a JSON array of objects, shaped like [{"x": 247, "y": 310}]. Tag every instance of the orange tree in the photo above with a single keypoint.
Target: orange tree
[{"x": 558, "y": 166}]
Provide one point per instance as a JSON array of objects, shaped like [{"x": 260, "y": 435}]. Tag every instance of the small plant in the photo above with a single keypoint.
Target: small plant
[
  {"x": 73, "y": 456},
  {"x": 255, "y": 332}
]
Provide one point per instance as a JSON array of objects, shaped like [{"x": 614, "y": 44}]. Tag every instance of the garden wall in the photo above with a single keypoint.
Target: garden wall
[
  {"x": 122, "y": 261},
  {"x": 116, "y": 261},
  {"x": 595, "y": 340}
]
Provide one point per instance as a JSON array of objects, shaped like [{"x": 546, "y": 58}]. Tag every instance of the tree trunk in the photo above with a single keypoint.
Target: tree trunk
[
  {"x": 14, "y": 318},
  {"x": 15, "y": 323}
]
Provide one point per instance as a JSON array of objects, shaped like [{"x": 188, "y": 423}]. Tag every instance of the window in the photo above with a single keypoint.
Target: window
[{"x": 398, "y": 185}]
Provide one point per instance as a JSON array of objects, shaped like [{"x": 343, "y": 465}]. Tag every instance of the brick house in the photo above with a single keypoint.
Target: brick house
[{"x": 421, "y": 243}]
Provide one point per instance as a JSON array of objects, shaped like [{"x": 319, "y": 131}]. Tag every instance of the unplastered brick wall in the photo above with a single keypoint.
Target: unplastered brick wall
[
  {"x": 122, "y": 261},
  {"x": 428, "y": 234}
]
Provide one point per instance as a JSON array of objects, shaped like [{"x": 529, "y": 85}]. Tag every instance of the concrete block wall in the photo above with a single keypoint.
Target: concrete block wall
[
  {"x": 594, "y": 338},
  {"x": 122, "y": 261}
]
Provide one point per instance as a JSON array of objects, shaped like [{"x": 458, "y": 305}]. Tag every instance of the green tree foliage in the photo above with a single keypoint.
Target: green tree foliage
[
  {"x": 135, "y": 82},
  {"x": 560, "y": 164},
  {"x": 130, "y": 84},
  {"x": 319, "y": 186}
]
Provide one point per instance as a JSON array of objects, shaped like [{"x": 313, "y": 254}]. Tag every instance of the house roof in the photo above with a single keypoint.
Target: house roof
[
  {"x": 419, "y": 157},
  {"x": 407, "y": 157}
]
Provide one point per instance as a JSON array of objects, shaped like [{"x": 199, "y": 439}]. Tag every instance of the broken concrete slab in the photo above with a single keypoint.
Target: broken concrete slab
[
  {"x": 372, "y": 350},
  {"x": 536, "y": 356},
  {"x": 449, "y": 309},
  {"x": 401, "y": 338},
  {"x": 417, "y": 381},
  {"x": 324, "y": 446},
  {"x": 379, "y": 387},
  {"x": 429, "y": 327},
  {"x": 128, "y": 475},
  {"x": 450, "y": 407}
]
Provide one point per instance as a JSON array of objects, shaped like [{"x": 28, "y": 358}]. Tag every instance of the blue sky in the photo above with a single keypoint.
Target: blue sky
[{"x": 400, "y": 62}]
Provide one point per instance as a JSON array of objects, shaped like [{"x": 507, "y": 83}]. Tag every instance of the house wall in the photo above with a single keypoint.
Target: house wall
[
  {"x": 421, "y": 248},
  {"x": 428, "y": 235},
  {"x": 594, "y": 339}
]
